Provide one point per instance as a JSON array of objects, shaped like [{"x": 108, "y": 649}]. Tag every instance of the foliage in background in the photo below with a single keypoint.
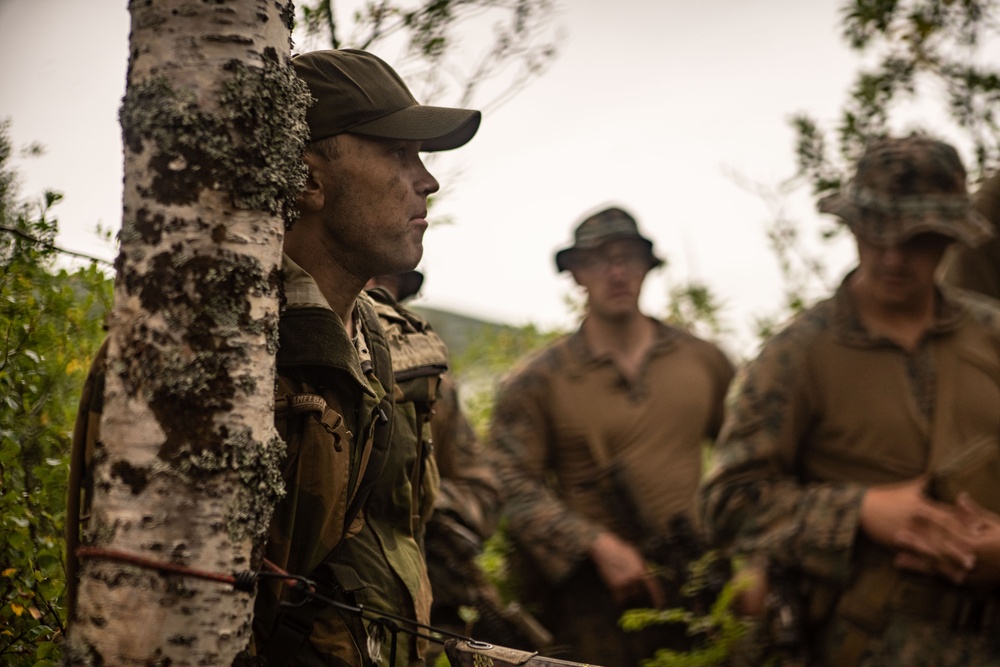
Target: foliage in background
[
  {"x": 931, "y": 56},
  {"x": 693, "y": 306},
  {"x": 482, "y": 364},
  {"x": 929, "y": 51},
  {"x": 50, "y": 327},
  {"x": 448, "y": 48},
  {"x": 720, "y": 632}
]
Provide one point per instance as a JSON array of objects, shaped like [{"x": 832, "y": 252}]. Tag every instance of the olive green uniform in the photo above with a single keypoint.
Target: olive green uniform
[
  {"x": 380, "y": 563},
  {"x": 827, "y": 410}
]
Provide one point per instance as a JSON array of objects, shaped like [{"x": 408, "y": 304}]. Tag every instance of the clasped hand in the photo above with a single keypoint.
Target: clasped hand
[{"x": 960, "y": 542}]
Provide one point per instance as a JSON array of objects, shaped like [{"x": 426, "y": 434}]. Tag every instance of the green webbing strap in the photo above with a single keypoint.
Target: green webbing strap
[{"x": 382, "y": 367}]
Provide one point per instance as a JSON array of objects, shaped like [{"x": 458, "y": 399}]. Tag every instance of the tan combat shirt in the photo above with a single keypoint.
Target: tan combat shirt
[
  {"x": 828, "y": 409},
  {"x": 581, "y": 450}
]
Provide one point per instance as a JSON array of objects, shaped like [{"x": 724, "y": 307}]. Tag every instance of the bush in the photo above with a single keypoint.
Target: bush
[{"x": 50, "y": 326}]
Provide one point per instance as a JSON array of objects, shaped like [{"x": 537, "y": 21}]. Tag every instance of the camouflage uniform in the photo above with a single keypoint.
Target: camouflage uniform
[
  {"x": 829, "y": 409},
  {"x": 460, "y": 492},
  {"x": 331, "y": 446},
  {"x": 378, "y": 564},
  {"x": 470, "y": 490},
  {"x": 581, "y": 450},
  {"x": 328, "y": 401},
  {"x": 978, "y": 269}
]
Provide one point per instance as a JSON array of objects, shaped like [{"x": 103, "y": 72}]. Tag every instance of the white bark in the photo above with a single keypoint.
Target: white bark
[{"x": 188, "y": 401}]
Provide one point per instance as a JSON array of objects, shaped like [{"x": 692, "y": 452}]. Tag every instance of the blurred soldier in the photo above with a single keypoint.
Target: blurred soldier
[
  {"x": 467, "y": 502},
  {"x": 599, "y": 445},
  {"x": 978, "y": 269},
  {"x": 859, "y": 410}
]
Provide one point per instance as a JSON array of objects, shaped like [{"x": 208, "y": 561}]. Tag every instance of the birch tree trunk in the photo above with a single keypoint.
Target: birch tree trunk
[{"x": 186, "y": 472}]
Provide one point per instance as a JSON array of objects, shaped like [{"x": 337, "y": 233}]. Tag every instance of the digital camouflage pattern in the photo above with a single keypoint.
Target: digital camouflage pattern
[
  {"x": 466, "y": 512},
  {"x": 580, "y": 450},
  {"x": 470, "y": 491},
  {"x": 907, "y": 186},
  {"x": 565, "y": 420},
  {"x": 826, "y": 410},
  {"x": 978, "y": 269}
]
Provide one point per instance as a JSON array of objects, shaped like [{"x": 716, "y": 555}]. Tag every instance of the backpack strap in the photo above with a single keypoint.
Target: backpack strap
[
  {"x": 294, "y": 625},
  {"x": 382, "y": 368}
]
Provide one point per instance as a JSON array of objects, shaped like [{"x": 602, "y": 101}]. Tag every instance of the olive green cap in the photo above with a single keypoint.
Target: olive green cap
[
  {"x": 610, "y": 224},
  {"x": 357, "y": 92},
  {"x": 908, "y": 186}
]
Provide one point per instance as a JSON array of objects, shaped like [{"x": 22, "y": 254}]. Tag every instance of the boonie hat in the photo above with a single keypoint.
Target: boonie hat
[
  {"x": 357, "y": 92},
  {"x": 611, "y": 224},
  {"x": 908, "y": 186}
]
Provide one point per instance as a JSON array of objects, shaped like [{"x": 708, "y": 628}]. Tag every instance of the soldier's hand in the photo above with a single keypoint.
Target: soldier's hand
[
  {"x": 624, "y": 571},
  {"x": 928, "y": 536},
  {"x": 985, "y": 527},
  {"x": 752, "y": 587}
]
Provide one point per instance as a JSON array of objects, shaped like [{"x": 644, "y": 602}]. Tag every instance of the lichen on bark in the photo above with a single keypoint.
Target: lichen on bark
[
  {"x": 257, "y": 465},
  {"x": 197, "y": 149},
  {"x": 206, "y": 300}
]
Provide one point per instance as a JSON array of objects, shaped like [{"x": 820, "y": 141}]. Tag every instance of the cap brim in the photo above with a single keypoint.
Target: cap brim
[{"x": 439, "y": 128}]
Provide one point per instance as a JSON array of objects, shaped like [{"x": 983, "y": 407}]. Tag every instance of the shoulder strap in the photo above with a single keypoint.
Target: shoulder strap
[
  {"x": 294, "y": 624},
  {"x": 382, "y": 367},
  {"x": 80, "y": 485}
]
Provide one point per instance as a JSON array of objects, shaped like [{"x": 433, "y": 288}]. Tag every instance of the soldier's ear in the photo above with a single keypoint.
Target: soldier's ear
[{"x": 313, "y": 196}]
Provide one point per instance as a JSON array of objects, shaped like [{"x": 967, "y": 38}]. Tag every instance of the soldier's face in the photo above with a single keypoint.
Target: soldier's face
[
  {"x": 376, "y": 204},
  {"x": 613, "y": 275},
  {"x": 900, "y": 275}
]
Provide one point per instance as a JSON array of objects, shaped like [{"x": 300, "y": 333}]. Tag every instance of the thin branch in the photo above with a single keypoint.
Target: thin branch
[{"x": 46, "y": 244}]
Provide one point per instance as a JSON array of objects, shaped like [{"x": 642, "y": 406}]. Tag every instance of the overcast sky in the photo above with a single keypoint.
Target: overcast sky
[{"x": 652, "y": 105}]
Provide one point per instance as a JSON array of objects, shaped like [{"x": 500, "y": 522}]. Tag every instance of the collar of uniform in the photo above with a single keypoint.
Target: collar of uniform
[
  {"x": 310, "y": 333},
  {"x": 848, "y": 329},
  {"x": 301, "y": 291},
  {"x": 581, "y": 357}
]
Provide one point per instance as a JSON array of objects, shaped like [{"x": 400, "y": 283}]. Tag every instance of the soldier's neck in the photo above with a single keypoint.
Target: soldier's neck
[
  {"x": 625, "y": 340},
  {"x": 904, "y": 324}
]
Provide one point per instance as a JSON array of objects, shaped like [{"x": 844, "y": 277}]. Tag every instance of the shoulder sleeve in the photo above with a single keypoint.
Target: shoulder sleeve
[
  {"x": 555, "y": 537},
  {"x": 752, "y": 499}
]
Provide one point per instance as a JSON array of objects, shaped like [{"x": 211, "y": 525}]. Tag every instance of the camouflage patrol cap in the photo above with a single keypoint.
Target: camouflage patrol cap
[
  {"x": 357, "y": 92},
  {"x": 610, "y": 224},
  {"x": 908, "y": 186}
]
